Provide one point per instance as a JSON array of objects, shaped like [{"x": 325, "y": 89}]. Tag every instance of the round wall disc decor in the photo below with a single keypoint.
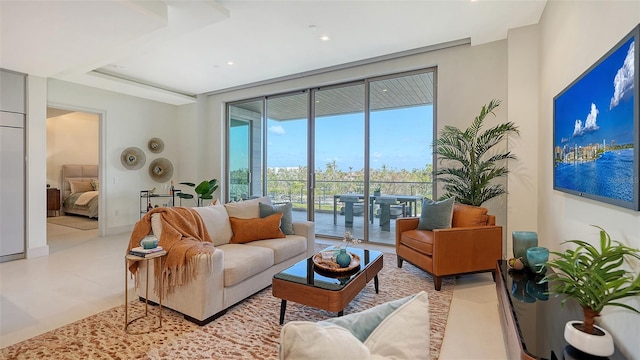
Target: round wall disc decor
[
  {"x": 132, "y": 158},
  {"x": 156, "y": 145},
  {"x": 161, "y": 170}
]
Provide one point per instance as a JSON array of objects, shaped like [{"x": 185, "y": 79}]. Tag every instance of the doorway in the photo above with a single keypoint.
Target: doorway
[{"x": 73, "y": 138}]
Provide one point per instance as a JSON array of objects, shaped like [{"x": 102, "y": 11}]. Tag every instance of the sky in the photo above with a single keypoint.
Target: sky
[
  {"x": 599, "y": 106},
  {"x": 400, "y": 139}
]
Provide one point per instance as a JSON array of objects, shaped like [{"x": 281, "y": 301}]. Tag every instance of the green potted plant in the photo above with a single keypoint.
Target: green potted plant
[
  {"x": 204, "y": 190},
  {"x": 471, "y": 160},
  {"x": 377, "y": 190},
  {"x": 594, "y": 279}
]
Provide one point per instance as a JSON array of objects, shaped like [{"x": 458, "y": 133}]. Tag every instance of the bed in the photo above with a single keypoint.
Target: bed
[{"x": 80, "y": 190}]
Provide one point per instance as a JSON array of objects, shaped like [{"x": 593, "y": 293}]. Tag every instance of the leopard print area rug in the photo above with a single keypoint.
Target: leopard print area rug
[{"x": 249, "y": 330}]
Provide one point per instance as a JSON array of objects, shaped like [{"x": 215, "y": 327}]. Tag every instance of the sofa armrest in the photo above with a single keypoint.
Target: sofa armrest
[
  {"x": 205, "y": 291},
  {"x": 466, "y": 249},
  {"x": 308, "y": 230}
]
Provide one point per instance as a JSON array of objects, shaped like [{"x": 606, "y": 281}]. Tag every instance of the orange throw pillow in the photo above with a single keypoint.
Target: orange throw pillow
[
  {"x": 247, "y": 230},
  {"x": 467, "y": 215}
]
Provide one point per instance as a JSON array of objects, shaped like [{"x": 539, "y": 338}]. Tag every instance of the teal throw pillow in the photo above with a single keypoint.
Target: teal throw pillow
[
  {"x": 436, "y": 214},
  {"x": 286, "y": 224},
  {"x": 363, "y": 323}
]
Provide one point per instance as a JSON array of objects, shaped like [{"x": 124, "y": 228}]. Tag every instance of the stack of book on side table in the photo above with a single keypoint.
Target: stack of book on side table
[{"x": 142, "y": 252}]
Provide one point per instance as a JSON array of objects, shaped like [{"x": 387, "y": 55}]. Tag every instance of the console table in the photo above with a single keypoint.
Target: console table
[{"x": 532, "y": 323}]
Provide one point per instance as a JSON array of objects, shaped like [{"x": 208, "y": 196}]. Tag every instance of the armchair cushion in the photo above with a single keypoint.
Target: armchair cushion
[
  {"x": 436, "y": 214},
  {"x": 420, "y": 241},
  {"x": 468, "y": 215}
]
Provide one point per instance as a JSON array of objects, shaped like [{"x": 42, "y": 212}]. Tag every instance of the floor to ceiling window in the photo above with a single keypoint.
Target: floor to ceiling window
[
  {"x": 286, "y": 151},
  {"x": 244, "y": 162},
  {"x": 350, "y": 157}
]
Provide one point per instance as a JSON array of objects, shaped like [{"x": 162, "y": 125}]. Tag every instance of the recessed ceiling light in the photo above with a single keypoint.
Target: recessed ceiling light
[
  {"x": 229, "y": 62},
  {"x": 325, "y": 38}
]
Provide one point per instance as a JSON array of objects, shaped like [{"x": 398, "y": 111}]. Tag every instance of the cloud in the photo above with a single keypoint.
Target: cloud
[
  {"x": 590, "y": 124},
  {"x": 277, "y": 130},
  {"x": 623, "y": 81}
]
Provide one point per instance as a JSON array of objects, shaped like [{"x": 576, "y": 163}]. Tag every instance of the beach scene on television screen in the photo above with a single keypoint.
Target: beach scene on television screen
[{"x": 594, "y": 130}]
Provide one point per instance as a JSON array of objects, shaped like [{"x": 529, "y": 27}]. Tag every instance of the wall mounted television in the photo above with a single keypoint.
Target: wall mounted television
[{"x": 596, "y": 129}]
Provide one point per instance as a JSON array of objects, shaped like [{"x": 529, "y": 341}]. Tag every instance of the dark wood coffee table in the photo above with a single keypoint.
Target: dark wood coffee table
[{"x": 306, "y": 284}]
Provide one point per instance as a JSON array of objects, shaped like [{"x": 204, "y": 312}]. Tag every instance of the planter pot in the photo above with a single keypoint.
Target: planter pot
[{"x": 598, "y": 345}]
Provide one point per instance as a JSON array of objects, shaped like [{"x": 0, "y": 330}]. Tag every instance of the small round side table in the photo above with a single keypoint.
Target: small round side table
[{"x": 127, "y": 258}]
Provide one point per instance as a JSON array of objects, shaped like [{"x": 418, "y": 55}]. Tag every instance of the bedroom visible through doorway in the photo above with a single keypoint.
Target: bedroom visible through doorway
[{"x": 73, "y": 138}]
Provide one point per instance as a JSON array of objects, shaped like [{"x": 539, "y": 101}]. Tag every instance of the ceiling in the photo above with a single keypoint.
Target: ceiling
[{"x": 170, "y": 51}]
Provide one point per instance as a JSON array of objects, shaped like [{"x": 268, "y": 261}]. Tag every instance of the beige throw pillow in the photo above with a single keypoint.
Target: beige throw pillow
[
  {"x": 80, "y": 186},
  {"x": 247, "y": 209}
]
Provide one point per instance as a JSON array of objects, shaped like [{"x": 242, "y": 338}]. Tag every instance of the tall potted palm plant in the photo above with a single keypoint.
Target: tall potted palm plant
[
  {"x": 471, "y": 160},
  {"x": 595, "y": 279}
]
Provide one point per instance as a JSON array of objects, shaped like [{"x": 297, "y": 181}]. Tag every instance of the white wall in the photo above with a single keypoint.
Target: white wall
[
  {"x": 36, "y": 137},
  {"x": 468, "y": 77},
  {"x": 523, "y": 75},
  {"x": 125, "y": 121},
  {"x": 573, "y": 36},
  {"x": 71, "y": 139}
]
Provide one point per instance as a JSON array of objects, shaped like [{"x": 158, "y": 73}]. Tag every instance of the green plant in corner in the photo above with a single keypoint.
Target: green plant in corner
[
  {"x": 471, "y": 159},
  {"x": 204, "y": 190},
  {"x": 593, "y": 277}
]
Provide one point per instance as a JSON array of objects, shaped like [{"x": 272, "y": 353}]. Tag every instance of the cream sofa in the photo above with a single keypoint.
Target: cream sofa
[{"x": 235, "y": 271}]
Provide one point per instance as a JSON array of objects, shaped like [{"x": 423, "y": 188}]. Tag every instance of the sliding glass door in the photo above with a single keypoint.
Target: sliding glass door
[
  {"x": 244, "y": 139},
  {"x": 401, "y": 131},
  {"x": 339, "y": 138},
  {"x": 286, "y": 151},
  {"x": 350, "y": 157}
]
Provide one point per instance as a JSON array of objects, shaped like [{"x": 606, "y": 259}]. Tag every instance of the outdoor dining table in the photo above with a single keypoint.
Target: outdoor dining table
[{"x": 409, "y": 202}]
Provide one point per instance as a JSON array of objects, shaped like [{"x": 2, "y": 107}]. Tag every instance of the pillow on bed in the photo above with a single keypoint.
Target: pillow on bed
[
  {"x": 95, "y": 183},
  {"x": 80, "y": 186}
]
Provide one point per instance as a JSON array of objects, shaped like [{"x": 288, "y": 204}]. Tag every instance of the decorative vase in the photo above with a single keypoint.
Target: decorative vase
[
  {"x": 522, "y": 240},
  {"x": 537, "y": 258},
  {"x": 600, "y": 344},
  {"x": 149, "y": 242},
  {"x": 343, "y": 258}
]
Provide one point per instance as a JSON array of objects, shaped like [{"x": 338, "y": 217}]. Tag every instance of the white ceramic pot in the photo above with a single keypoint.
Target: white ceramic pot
[{"x": 598, "y": 345}]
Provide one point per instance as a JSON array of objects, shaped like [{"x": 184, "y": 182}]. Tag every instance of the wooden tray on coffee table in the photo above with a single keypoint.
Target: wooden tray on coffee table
[{"x": 332, "y": 266}]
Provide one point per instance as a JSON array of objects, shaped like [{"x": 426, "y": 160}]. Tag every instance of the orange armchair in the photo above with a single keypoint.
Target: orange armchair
[{"x": 473, "y": 244}]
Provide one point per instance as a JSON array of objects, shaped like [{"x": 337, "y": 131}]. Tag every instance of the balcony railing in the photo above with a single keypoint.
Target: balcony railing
[{"x": 295, "y": 191}]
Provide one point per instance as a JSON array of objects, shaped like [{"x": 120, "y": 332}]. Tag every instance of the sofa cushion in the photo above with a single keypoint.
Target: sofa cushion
[
  {"x": 217, "y": 222},
  {"x": 286, "y": 223},
  {"x": 436, "y": 214},
  {"x": 283, "y": 249},
  {"x": 246, "y": 209},
  {"x": 419, "y": 240},
  {"x": 395, "y": 330},
  {"x": 242, "y": 261},
  {"x": 468, "y": 215},
  {"x": 246, "y": 230}
]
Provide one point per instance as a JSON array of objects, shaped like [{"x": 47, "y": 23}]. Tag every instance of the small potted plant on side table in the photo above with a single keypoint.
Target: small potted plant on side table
[{"x": 594, "y": 278}]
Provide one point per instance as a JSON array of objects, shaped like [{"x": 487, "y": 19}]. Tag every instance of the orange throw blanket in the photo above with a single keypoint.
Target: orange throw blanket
[{"x": 183, "y": 237}]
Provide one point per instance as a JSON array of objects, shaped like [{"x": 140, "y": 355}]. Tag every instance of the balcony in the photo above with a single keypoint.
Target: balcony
[{"x": 331, "y": 223}]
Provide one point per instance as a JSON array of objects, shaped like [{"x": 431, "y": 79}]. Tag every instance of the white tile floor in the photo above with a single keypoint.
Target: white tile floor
[{"x": 84, "y": 274}]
